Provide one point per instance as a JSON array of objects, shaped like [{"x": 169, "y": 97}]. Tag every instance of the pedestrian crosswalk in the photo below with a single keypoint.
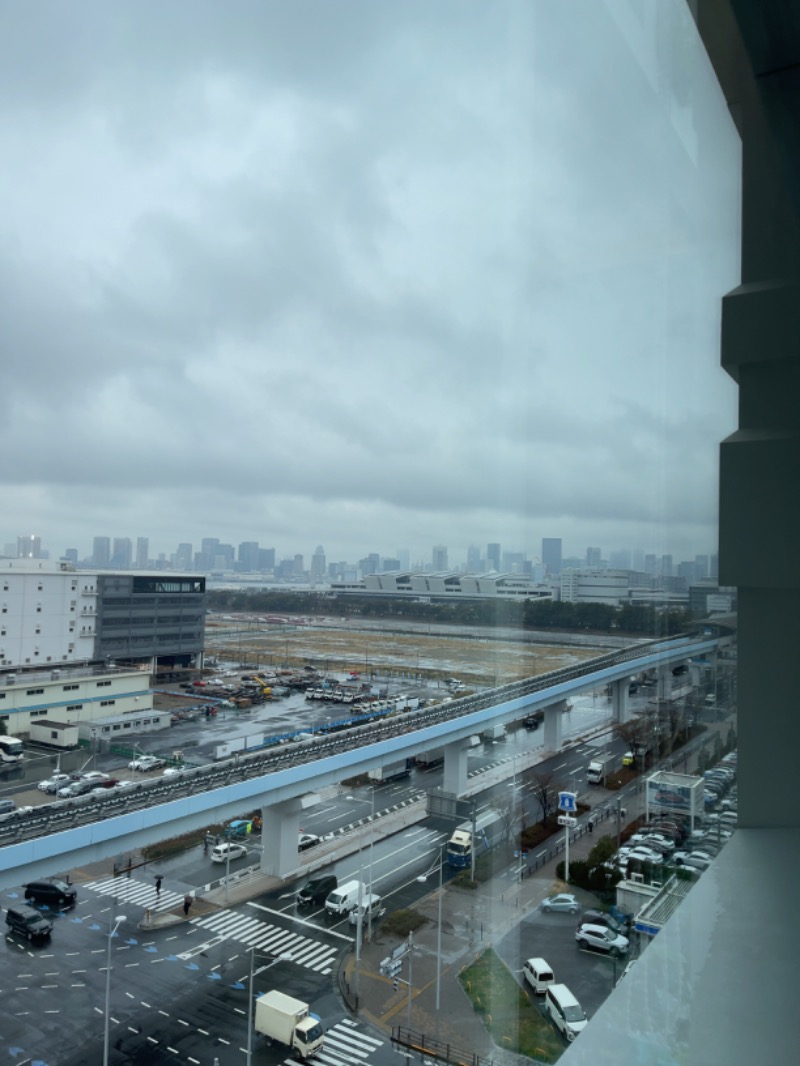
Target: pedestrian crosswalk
[
  {"x": 137, "y": 893},
  {"x": 269, "y": 939},
  {"x": 345, "y": 1045}
]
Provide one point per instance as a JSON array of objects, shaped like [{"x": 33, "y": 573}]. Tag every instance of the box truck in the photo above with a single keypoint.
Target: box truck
[
  {"x": 290, "y": 1022},
  {"x": 489, "y": 829},
  {"x": 599, "y": 769},
  {"x": 393, "y": 771}
]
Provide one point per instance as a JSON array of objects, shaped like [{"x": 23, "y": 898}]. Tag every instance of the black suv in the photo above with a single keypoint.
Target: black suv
[
  {"x": 29, "y": 922},
  {"x": 608, "y": 921},
  {"x": 53, "y": 893},
  {"x": 316, "y": 890}
]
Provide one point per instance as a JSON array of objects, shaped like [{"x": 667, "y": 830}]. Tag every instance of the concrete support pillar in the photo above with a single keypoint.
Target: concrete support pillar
[
  {"x": 279, "y": 834},
  {"x": 455, "y": 767},
  {"x": 664, "y": 683},
  {"x": 552, "y": 725},
  {"x": 620, "y": 707}
]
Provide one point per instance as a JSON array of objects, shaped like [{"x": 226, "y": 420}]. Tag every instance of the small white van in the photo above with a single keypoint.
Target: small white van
[
  {"x": 344, "y": 898},
  {"x": 370, "y": 908},
  {"x": 539, "y": 975},
  {"x": 566, "y": 1012}
]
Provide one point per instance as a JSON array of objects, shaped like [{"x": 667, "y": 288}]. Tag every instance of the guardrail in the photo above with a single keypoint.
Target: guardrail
[{"x": 428, "y": 1045}]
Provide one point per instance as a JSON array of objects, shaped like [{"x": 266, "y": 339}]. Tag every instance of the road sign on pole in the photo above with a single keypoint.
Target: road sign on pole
[
  {"x": 567, "y": 819},
  {"x": 568, "y": 801}
]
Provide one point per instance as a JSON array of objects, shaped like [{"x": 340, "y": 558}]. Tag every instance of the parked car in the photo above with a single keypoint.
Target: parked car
[
  {"x": 307, "y": 840},
  {"x": 598, "y": 938},
  {"x": 693, "y": 859},
  {"x": 145, "y": 763},
  {"x": 94, "y": 775},
  {"x": 53, "y": 783},
  {"x": 53, "y": 893},
  {"x": 643, "y": 854},
  {"x": 76, "y": 788},
  {"x": 538, "y": 973},
  {"x": 227, "y": 852},
  {"x": 562, "y": 902},
  {"x": 603, "y": 918}
]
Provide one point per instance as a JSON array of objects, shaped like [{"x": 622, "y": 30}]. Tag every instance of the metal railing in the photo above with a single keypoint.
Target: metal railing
[{"x": 438, "y": 1049}]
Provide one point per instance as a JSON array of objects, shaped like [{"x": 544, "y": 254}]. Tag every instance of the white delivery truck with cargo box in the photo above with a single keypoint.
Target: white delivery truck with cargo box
[{"x": 290, "y": 1022}]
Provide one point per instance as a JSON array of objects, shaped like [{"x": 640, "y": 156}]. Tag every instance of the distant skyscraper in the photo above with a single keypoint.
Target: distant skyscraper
[
  {"x": 29, "y": 547},
  {"x": 551, "y": 554},
  {"x": 224, "y": 558},
  {"x": 404, "y": 556},
  {"x": 71, "y": 556},
  {"x": 122, "y": 556},
  {"x": 318, "y": 565},
  {"x": 701, "y": 567},
  {"x": 142, "y": 553},
  {"x": 266, "y": 558},
  {"x": 101, "y": 551},
  {"x": 183, "y": 557},
  {"x": 389, "y": 565},
  {"x": 473, "y": 559},
  {"x": 666, "y": 566},
  {"x": 594, "y": 556},
  {"x": 620, "y": 559},
  {"x": 369, "y": 565},
  {"x": 512, "y": 562},
  {"x": 248, "y": 556},
  {"x": 493, "y": 557},
  {"x": 298, "y": 569},
  {"x": 439, "y": 557},
  {"x": 650, "y": 564}
]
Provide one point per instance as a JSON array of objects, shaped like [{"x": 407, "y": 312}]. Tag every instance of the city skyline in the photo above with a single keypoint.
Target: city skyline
[
  {"x": 367, "y": 277},
  {"x": 129, "y": 553}
]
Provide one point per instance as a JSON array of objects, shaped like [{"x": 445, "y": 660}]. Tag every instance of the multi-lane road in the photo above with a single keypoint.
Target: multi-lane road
[{"x": 180, "y": 994}]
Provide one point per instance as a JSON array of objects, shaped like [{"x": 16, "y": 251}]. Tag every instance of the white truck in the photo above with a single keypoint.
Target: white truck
[
  {"x": 599, "y": 769},
  {"x": 344, "y": 898},
  {"x": 393, "y": 771},
  {"x": 290, "y": 1022}
]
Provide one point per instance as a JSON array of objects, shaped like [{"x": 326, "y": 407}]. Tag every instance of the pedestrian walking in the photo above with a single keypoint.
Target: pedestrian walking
[
  {"x": 187, "y": 902},
  {"x": 159, "y": 879}
]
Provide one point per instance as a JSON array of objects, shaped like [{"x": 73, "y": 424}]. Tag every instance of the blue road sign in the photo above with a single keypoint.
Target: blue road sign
[{"x": 567, "y": 801}]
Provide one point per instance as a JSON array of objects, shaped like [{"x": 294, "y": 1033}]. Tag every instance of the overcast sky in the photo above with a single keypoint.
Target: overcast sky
[{"x": 369, "y": 275}]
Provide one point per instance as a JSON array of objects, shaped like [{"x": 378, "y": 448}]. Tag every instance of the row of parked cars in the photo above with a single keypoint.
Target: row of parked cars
[
  {"x": 596, "y": 931},
  {"x": 669, "y": 840}
]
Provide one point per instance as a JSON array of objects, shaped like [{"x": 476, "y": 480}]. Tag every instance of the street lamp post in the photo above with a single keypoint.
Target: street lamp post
[
  {"x": 111, "y": 934},
  {"x": 423, "y": 878}
]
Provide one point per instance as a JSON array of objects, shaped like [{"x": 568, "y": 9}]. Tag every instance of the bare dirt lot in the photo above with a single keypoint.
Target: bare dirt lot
[{"x": 388, "y": 649}]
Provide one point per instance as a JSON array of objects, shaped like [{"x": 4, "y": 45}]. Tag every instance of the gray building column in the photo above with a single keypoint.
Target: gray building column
[
  {"x": 552, "y": 725},
  {"x": 280, "y": 832},
  {"x": 620, "y": 707},
  {"x": 455, "y": 767}
]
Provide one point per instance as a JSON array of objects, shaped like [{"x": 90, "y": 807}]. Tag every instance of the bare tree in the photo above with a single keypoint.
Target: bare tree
[
  {"x": 671, "y": 720},
  {"x": 545, "y": 790},
  {"x": 640, "y": 733}
]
